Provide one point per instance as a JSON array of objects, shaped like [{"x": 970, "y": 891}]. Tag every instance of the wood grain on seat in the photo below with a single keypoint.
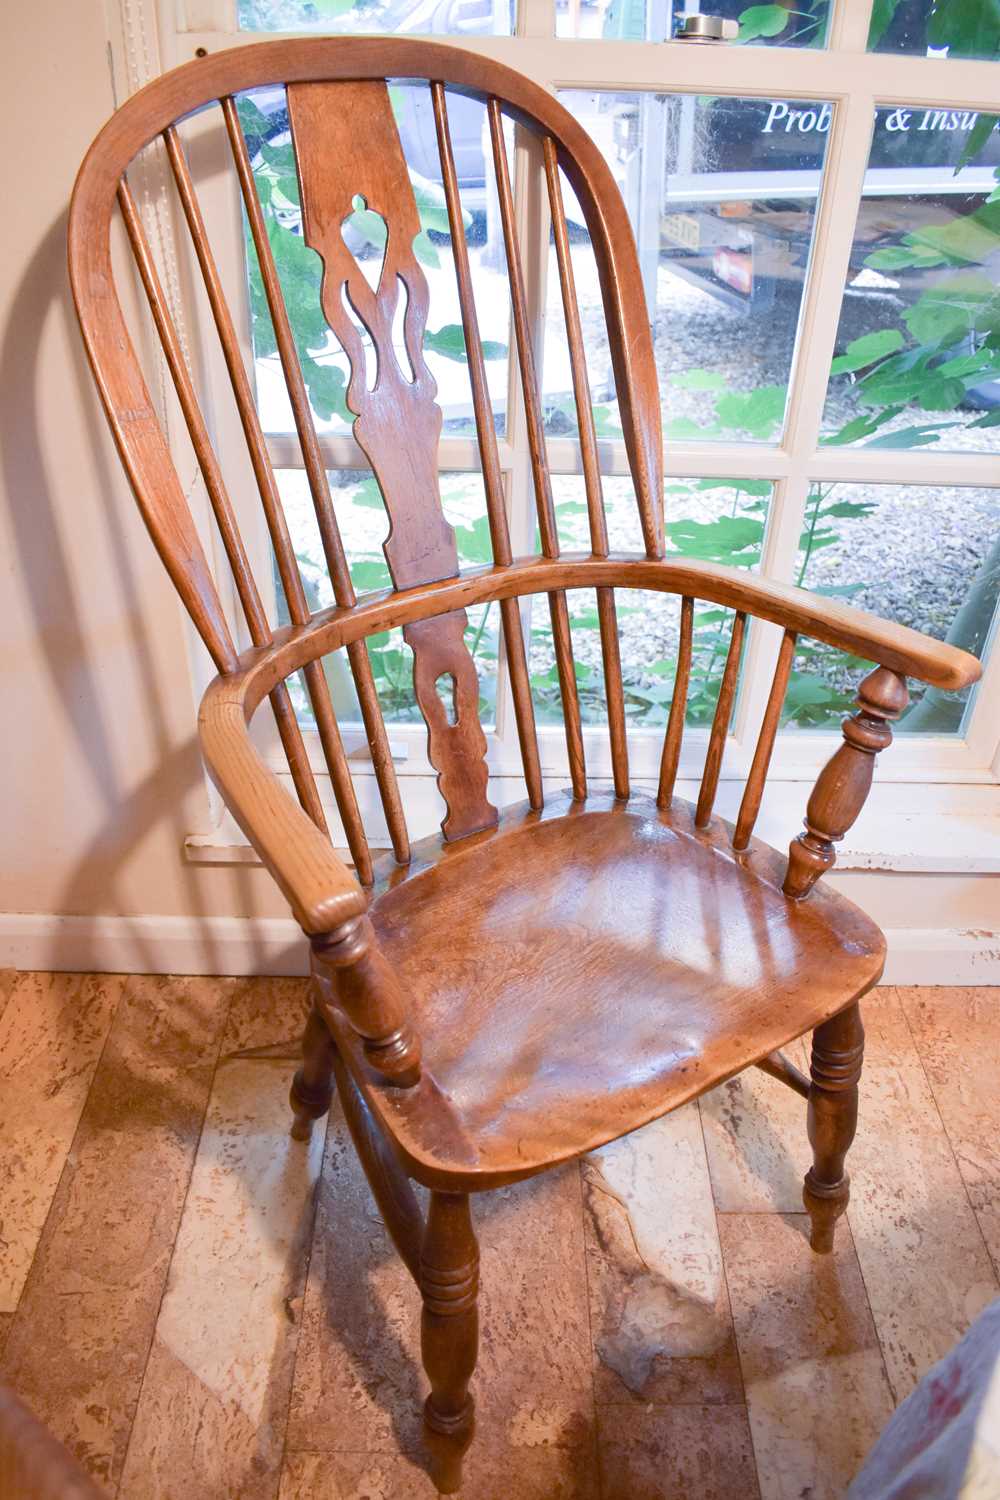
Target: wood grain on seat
[{"x": 580, "y": 971}]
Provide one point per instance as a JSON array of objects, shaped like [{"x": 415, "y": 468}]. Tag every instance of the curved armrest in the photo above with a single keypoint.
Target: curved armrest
[
  {"x": 908, "y": 652},
  {"x": 326, "y": 899},
  {"x": 841, "y": 625},
  {"x": 322, "y": 892}
]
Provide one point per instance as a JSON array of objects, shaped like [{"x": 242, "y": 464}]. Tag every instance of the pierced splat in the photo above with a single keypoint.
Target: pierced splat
[{"x": 350, "y": 161}]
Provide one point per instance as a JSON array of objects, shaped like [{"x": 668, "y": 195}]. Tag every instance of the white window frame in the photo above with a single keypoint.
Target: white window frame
[{"x": 961, "y": 773}]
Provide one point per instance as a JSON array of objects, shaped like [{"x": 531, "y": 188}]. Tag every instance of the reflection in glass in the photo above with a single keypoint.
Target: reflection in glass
[
  {"x": 363, "y": 523},
  {"x": 722, "y": 196},
  {"x": 719, "y": 520},
  {"x": 940, "y": 28},
  {"x": 800, "y": 25},
  {"x": 918, "y": 347},
  {"x": 390, "y": 17},
  {"x": 264, "y": 117},
  {"x": 943, "y": 578}
]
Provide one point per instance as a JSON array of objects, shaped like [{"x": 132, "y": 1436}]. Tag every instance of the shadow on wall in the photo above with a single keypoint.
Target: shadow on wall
[{"x": 54, "y": 587}]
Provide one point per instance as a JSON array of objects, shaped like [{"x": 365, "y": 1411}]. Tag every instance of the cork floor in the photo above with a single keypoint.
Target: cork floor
[{"x": 200, "y": 1307}]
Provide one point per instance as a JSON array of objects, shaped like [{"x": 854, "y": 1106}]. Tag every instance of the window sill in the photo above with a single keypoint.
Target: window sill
[{"x": 942, "y": 830}]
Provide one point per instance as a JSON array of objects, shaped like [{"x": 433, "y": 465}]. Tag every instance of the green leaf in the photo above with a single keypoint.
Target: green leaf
[
  {"x": 988, "y": 419},
  {"x": 685, "y": 427},
  {"x": 845, "y": 510},
  {"x": 449, "y": 342},
  {"x": 839, "y": 590},
  {"x": 972, "y": 238},
  {"x": 882, "y": 14},
  {"x": 699, "y": 380},
  {"x": 426, "y": 251},
  {"x": 721, "y": 540},
  {"x": 861, "y": 427},
  {"x": 474, "y": 545},
  {"x": 909, "y": 437},
  {"x": 368, "y": 496},
  {"x": 327, "y": 387},
  {"x": 762, "y": 20},
  {"x": 254, "y": 122},
  {"x": 945, "y": 312},
  {"x": 288, "y": 187},
  {"x": 281, "y": 159},
  {"x": 976, "y": 140},
  {"x": 968, "y": 28},
  {"x": 370, "y": 575},
  {"x": 804, "y": 688},
  {"x": 757, "y": 412},
  {"x": 893, "y": 258},
  {"x": 432, "y": 205},
  {"x": 867, "y": 349},
  {"x": 370, "y": 225}
]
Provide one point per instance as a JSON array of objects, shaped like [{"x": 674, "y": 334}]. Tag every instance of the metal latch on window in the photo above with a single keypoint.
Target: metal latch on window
[{"x": 707, "y": 29}]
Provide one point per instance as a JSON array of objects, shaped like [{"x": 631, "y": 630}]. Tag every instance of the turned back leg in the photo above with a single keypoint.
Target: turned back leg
[
  {"x": 449, "y": 1285},
  {"x": 312, "y": 1089},
  {"x": 835, "y": 1068}
]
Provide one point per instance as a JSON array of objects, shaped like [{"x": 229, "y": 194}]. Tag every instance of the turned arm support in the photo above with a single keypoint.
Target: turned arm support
[
  {"x": 843, "y": 785},
  {"x": 366, "y": 988}
]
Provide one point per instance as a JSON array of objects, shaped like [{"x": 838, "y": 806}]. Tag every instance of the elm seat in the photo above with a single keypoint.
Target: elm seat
[{"x": 582, "y": 971}]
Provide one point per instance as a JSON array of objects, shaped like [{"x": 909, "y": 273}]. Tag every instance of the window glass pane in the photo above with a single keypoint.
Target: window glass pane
[
  {"x": 942, "y": 28},
  {"x": 722, "y": 196},
  {"x": 395, "y": 17},
  {"x": 719, "y": 520},
  {"x": 918, "y": 347},
  {"x": 925, "y": 557},
  {"x": 265, "y": 122},
  {"x": 802, "y": 24},
  {"x": 364, "y": 525}
]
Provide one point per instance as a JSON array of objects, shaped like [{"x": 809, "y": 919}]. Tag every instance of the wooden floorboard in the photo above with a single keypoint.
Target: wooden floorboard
[{"x": 198, "y": 1306}]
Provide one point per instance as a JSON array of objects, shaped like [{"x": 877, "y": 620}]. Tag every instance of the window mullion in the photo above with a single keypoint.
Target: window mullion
[
  {"x": 840, "y": 194},
  {"x": 849, "y": 25}
]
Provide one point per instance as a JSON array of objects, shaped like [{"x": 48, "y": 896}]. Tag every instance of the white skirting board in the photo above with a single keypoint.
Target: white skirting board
[{"x": 274, "y": 945}]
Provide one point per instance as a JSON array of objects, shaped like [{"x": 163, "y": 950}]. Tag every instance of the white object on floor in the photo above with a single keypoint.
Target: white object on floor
[{"x": 944, "y": 1441}]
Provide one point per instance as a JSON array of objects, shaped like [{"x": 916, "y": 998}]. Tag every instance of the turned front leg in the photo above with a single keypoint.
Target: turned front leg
[
  {"x": 837, "y": 1053},
  {"x": 449, "y": 1333},
  {"x": 312, "y": 1088}
]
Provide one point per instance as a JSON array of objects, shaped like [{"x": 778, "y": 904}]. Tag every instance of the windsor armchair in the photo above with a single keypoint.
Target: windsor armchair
[{"x": 524, "y": 987}]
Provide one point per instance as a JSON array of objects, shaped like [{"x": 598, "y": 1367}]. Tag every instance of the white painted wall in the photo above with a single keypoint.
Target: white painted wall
[
  {"x": 98, "y": 758},
  {"x": 97, "y": 751}
]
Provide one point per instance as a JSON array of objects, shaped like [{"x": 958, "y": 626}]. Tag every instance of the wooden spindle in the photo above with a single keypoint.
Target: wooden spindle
[
  {"x": 614, "y": 692},
  {"x": 513, "y": 635},
  {"x": 606, "y": 612},
  {"x": 312, "y": 458},
  {"x": 845, "y": 781},
  {"x": 274, "y": 514},
  {"x": 577, "y": 356},
  {"x": 720, "y": 725},
  {"x": 670, "y": 759},
  {"x": 562, "y": 642},
  {"x": 754, "y": 790},
  {"x": 559, "y": 615},
  {"x": 246, "y": 587},
  {"x": 522, "y": 337}
]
